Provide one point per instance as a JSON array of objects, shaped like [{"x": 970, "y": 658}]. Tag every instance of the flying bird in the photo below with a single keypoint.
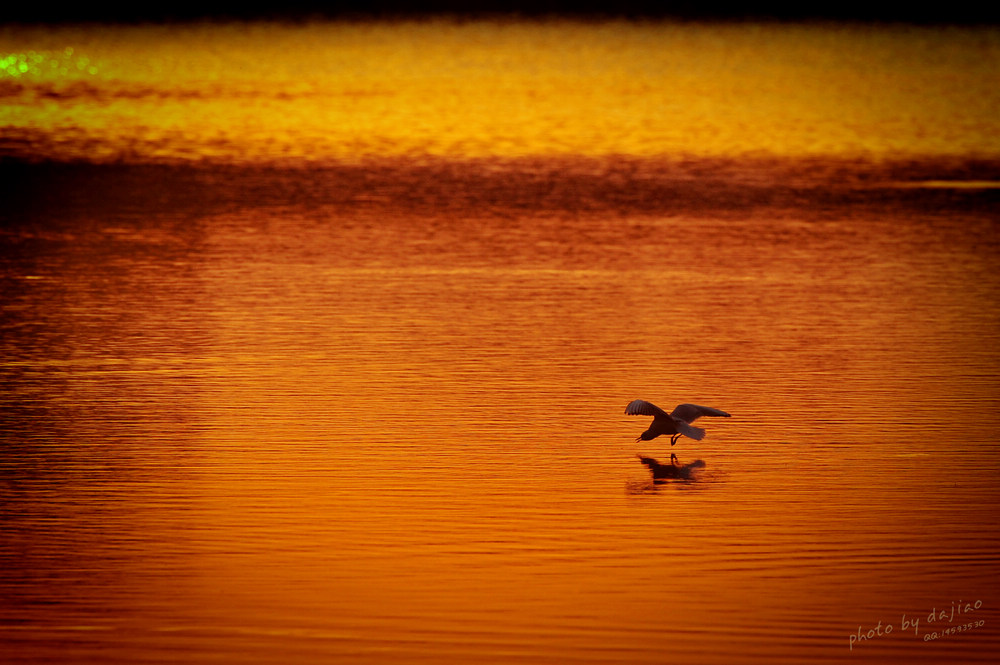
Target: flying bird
[{"x": 677, "y": 423}]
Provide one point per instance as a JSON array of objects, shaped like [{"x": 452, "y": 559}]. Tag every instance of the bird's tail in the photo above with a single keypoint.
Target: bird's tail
[{"x": 691, "y": 431}]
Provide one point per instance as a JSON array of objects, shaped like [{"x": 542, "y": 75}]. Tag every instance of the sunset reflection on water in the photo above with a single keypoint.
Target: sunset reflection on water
[
  {"x": 317, "y": 341},
  {"x": 316, "y": 91}
]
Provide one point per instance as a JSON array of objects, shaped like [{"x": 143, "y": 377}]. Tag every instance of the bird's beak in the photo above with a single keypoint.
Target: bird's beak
[{"x": 638, "y": 439}]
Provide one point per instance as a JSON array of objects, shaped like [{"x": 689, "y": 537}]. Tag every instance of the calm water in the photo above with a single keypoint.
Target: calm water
[{"x": 278, "y": 389}]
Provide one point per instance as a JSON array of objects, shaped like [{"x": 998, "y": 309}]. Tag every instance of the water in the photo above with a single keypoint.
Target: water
[{"x": 278, "y": 404}]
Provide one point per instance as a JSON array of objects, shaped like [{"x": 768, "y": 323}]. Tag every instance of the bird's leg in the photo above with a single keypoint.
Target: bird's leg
[{"x": 674, "y": 438}]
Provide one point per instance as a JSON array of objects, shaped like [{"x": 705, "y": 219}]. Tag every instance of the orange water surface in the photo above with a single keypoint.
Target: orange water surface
[{"x": 317, "y": 338}]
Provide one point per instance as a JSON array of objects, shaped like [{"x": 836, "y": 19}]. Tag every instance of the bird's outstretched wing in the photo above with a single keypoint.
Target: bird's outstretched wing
[
  {"x": 691, "y": 412},
  {"x": 689, "y": 431},
  {"x": 640, "y": 407}
]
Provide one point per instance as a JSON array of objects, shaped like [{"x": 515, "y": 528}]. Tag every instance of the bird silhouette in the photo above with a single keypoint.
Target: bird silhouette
[{"x": 677, "y": 423}]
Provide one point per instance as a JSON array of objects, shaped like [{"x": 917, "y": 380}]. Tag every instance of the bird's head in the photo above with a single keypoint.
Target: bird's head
[{"x": 645, "y": 436}]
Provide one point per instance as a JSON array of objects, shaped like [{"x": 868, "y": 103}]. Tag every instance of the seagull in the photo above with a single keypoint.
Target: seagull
[{"x": 676, "y": 423}]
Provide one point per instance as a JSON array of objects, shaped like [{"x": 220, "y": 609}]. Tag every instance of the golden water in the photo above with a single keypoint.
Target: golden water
[
  {"x": 317, "y": 341},
  {"x": 319, "y": 90}
]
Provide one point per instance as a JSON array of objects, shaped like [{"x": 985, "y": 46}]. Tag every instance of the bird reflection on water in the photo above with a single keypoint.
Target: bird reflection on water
[
  {"x": 679, "y": 475},
  {"x": 672, "y": 471}
]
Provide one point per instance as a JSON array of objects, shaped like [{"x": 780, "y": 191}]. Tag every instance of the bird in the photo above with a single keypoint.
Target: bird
[{"x": 677, "y": 423}]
